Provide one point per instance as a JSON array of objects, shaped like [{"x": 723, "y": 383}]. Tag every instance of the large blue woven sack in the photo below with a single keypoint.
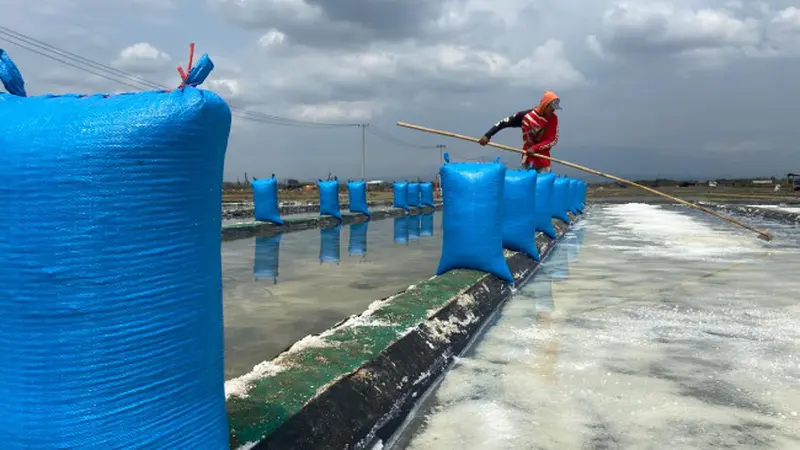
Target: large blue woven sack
[
  {"x": 329, "y": 198},
  {"x": 426, "y": 194},
  {"x": 582, "y": 196},
  {"x": 400, "y": 194},
  {"x": 544, "y": 201},
  {"x": 519, "y": 212},
  {"x": 265, "y": 198},
  {"x": 267, "y": 258},
  {"x": 413, "y": 195},
  {"x": 574, "y": 196},
  {"x": 358, "y": 239},
  {"x": 473, "y": 218},
  {"x": 401, "y": 230},
  {"x": 559, "y": 204},
  {"x": 111, "y": 330},
  {"x": 330, "y": 243},
  {"x": 357, "y": 191},
  {"x": 426, "y": 225}
]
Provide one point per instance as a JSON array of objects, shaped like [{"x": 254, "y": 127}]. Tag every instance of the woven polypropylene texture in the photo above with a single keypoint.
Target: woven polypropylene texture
[
  {"x": 413, "y": 195},
  {"x": 267, "y": 256},
  {"x": 358, "y": 239},
  {"x": 329, "y": 199},
  {"x": 559, "y": 204},
  {"x": 400, "y": 194},
  {"x": 401, "y": 230},
  {"x": 330, "y": 244},
  {"x": 426, "y": 225},
  {"x": 111, "y": 330},
  {"x": 573, "y": 195},
  {"x": 357, "y": 192},
  {"x": 10, "y": 76},
  {"x": 265, "y": 198},
  {"x": 426, "y": 194},
  {"x": 473, "y": 218},
  {"x": 544, "y": 200},
  {"x": 519, "y": 212}
]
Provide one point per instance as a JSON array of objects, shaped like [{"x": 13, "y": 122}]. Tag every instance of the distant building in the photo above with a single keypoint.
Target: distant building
[
  {"x": 712, "y": 184},
  {"x": 761, "y": 181}
]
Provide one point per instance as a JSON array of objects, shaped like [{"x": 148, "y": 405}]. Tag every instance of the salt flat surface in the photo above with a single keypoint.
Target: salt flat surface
[{"x": 650, "y": 327}]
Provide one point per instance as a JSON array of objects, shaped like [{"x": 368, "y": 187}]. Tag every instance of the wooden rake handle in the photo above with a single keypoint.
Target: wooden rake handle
[{"x": 765, "y": 235}]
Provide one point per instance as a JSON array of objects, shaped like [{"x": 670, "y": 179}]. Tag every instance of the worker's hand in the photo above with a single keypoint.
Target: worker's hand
[
  {"x": 483, "y": 140},
  {"x": 531, "y": 153}
]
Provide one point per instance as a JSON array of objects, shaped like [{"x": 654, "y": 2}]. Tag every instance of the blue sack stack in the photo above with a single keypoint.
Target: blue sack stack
[
  {"x": 544, "y": 204},
  {"x": 473, "y": 218},
  {"x": 357, "y": 190},
  {"x": 111, "y": 330},
  {"x": 582, "y": 196},
  {"x": 265, "y": 198},
  {"x": 400, "y": 195},
  {"x": 559, "y": 204},
  {"x": 426, "y": 194},
  {"x": 519, "y": 212},
  {"x": 329, "y": 198},
  {"x": 572, "y": 195},
  {"x": 413, "y": 198}
]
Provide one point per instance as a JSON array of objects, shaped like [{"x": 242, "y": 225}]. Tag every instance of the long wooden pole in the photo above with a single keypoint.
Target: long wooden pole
[{"x": 765, "y": 235}]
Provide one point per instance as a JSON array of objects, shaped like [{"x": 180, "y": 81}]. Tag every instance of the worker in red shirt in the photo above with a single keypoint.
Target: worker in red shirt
[{"x": 539, "y": 131}]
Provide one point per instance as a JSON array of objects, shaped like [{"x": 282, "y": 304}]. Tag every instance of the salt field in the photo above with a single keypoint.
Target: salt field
[
  {"x": 648, "y": 327},
  {"x": 281, "y": 288}
]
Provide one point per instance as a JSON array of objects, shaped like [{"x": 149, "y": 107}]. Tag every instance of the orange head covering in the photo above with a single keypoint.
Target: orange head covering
[{"x": 547, "y": 98}]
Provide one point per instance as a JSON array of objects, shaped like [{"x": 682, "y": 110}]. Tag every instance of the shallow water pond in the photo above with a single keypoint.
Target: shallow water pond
[{"x": 279, "y": 289}]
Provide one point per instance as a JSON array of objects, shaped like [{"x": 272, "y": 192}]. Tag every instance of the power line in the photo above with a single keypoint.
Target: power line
[
  {"x": 377, "y": 132},
  {"x": 136, "y": 82}
]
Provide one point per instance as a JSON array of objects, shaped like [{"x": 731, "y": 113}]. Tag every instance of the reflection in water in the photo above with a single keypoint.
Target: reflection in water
[
  {"x": 556, "y": 268},
  {"x": 358, "y": 239},
  {"x": 413, "y": 227},
  {"x": 426, "y": 224},
  {"x": 401, "y": 230},
  {"x": 330, "y": 244},
  {"x": 267, "y": 255},
  {"x": 566, "y": 251}
]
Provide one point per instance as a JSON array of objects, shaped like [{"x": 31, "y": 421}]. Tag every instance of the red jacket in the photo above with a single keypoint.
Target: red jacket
[{"x": 539, "y": 133}]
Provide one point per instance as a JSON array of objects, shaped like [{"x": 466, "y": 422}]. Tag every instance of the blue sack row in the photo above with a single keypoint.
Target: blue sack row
[
  {"x": 490, "y": 208},
  {"x": 406, "y": 195}
]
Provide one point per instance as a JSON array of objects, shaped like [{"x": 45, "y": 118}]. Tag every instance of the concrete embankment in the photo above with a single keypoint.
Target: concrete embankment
[
  {"x": 249, "y": 211},
  {"x": 250, "y": 229},
  {"x": 355, "y": 383}
]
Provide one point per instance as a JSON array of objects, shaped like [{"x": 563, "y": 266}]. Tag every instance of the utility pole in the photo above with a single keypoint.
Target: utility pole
[
  {"x": 363, "y": 149},
  {"x": 441, "y": 148}
]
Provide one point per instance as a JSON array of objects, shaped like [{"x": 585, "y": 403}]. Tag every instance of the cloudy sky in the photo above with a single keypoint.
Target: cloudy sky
[{"x": 690, "y": 88}]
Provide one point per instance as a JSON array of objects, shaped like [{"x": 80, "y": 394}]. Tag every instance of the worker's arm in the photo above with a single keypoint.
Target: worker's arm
[
  {"x": 512, "y": 121},
  {"x": 549, "y": 137}
]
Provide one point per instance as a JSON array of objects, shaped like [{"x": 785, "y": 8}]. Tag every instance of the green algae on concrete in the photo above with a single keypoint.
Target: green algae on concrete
[{"x": 298, "y": 375}]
